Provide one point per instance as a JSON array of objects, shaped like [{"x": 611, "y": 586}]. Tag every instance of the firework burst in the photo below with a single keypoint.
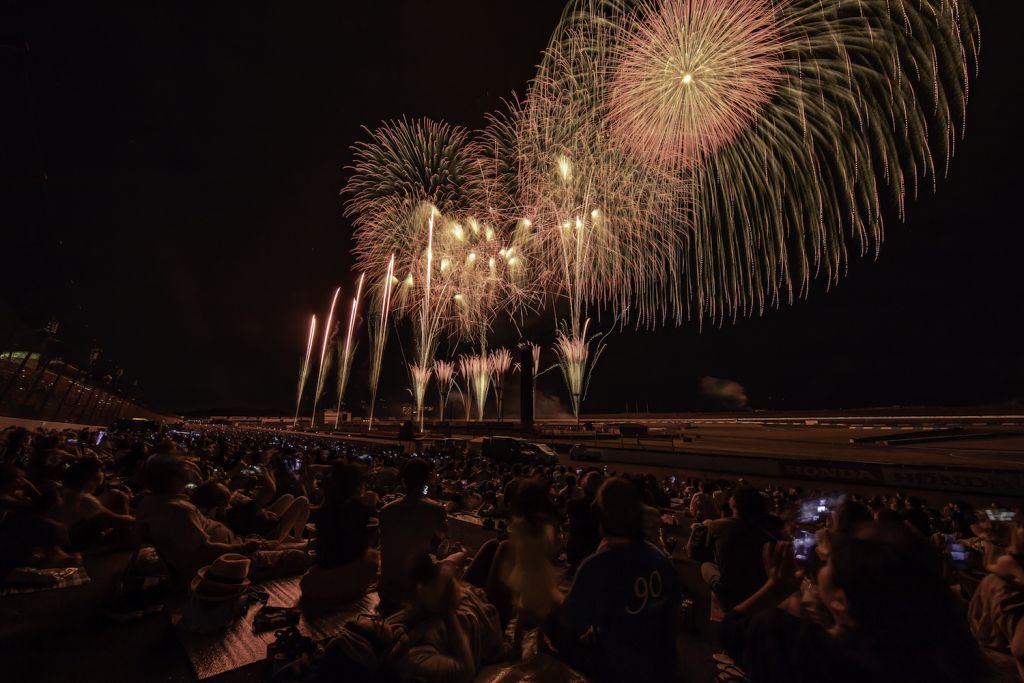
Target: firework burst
[
  {"x": 792, "y": 121},
  {"x": 690, "y": 75},
  {"x": 416, "y": 193}
]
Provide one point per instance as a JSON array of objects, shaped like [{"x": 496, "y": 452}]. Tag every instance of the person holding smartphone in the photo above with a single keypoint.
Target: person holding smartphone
[
  {"x": 893, "y": 618},
  {"x": 996, "y": 611}
]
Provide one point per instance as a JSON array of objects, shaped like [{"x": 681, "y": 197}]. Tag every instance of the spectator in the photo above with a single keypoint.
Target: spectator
[
  {"x": 186, "y": 539},
  {"x": 27, "y": 538},
  {"x": 78, "y": 508},
  {"x": 627, "y": 594},
  {"x": 409, "y": 528},
  {"x": 452, "y": 629},
  {"x": 737, "y": 571},
  {"x": 894, "y": 619},
  {"x": 346, "y": 566},
  {"x": 996, "y": 612},
  {"x": 255, "y": 515},
  {"x": 702, "y": 504},
  {"x": 533, "y": 579},
  {"x": 584, "y": 525}
]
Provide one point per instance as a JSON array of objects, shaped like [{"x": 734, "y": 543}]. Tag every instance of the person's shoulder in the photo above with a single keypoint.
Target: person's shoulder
[
  {"x": 719, "y": 525},
  {"x": 657, "y": 555},
  {"x": 579, "y": 505},
  {"x": 389, "y": 509}
]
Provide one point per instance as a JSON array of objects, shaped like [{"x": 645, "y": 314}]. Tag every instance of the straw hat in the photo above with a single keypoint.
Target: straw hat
[{"x": 225, "y": 579}]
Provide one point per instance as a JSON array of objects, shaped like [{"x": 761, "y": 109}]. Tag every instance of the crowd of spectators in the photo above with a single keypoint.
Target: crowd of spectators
[{"x": 809, "y": 586}]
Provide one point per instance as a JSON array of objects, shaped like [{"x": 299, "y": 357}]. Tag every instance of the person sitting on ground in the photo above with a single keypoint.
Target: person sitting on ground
[
  {"x": 452, "y": 629},
  {"x": 737, "y": 541},
  {"x": 532, "y": 577},
  {"x": 409, "y": 527},
  {"x": 996, "y": 611},
  {"x": 626, "y": 595},
  {"x": 86, "y": 516},
  {"x": 27, "y": 537},
  {"x": 893, "y": 618},
  {"x": 702, "y": 504},
  {"x": 346, "y": 564},
  {"x": 584, "y": 525},
  {"x": 846, "y": 521},
  {"x": 187, "y": 540},
  {"x": 18, "y": 494},
  {"x": 255, "y": 515},
  {"x": 290, "y": 473}
]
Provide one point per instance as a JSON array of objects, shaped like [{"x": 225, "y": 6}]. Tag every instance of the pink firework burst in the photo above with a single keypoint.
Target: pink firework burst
[{"x": 689, "y": 75}]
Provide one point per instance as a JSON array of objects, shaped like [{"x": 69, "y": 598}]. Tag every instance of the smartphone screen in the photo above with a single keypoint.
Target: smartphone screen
[
  {"x": 999, "y": 515},
  {"x": 803, "y": 545}
]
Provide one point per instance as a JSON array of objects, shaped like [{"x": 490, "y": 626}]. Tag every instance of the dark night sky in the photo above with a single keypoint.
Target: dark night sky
[{"x": 171, "y": 194}]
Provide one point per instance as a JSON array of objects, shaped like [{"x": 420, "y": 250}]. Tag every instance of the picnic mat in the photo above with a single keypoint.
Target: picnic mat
[
  {"x": 538, "y": 668},
  {"x": 29, "y": 580},
  {"x": 212, "y": 654}
]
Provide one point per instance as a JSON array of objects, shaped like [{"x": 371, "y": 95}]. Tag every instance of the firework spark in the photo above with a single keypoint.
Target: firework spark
[
  {"x": 444, "y": 374},
  {"x": 420, "y": 377},
  {"x": 577, "y": 355},
  {"x": 476, "y": 370},
  {"x": 379, "y": 334},
  {"x": 346, "y": 352},
  {"x": 325, "y": 360},
  {"x": 500, "y": 361},
  {"x": 304, "y": 368}
]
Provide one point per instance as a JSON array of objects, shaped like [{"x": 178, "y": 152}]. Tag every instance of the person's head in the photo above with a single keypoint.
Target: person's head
[
  {"x": 592, "y": 483},
  {"x": 415, "y": 475},
  {"x": 531, "y": 502},
  {"x": 210, "y": 495},
  {"x": 84, "y": 475},
  {"x": 345, "y": 482},
  {"x": 850, "y": 517},
  {"x": 166, "y": 476},
  {"x": 747, "y": 502},
  {"x": 620, "y": 508},
  {"x": 885, "y": 589}
]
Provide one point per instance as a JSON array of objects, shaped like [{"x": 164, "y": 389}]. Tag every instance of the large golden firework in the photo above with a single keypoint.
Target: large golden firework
[{"x": 793, "y": 122}]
